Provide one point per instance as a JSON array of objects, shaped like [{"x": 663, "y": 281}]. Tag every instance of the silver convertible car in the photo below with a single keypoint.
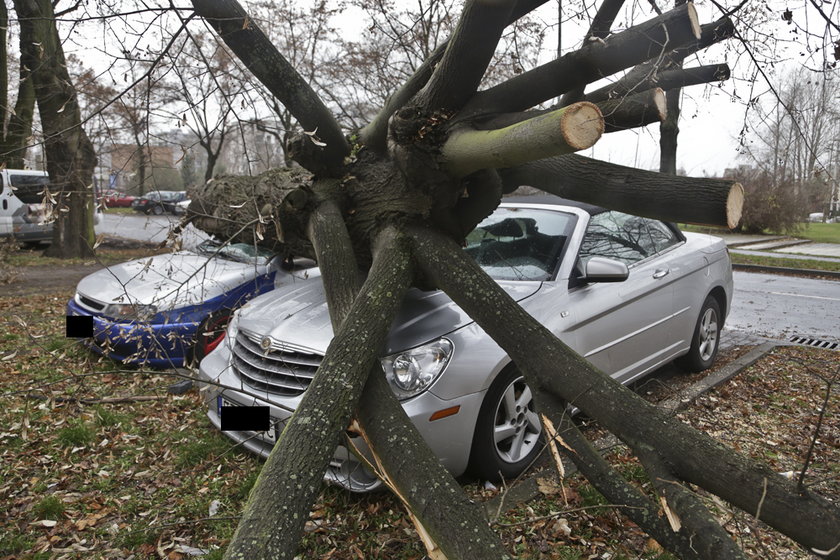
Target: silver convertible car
[{"x": 630, "y": 294}]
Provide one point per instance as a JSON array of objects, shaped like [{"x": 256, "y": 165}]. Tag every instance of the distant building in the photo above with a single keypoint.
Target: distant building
[{"x": 119, "y": 164}]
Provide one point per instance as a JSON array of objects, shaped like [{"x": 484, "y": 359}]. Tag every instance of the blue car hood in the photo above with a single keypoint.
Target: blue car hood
[{"x": 298, "y": 315}]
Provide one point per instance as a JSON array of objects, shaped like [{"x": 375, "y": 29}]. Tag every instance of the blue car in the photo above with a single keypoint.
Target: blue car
[{"x": 171, "y": 310}]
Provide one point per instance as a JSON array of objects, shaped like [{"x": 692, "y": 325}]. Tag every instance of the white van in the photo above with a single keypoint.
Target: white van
[{"x": 22, "y": 210}]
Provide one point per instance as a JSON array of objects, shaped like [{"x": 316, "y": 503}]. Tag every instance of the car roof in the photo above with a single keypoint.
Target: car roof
[{"x": 553, "y": 200}]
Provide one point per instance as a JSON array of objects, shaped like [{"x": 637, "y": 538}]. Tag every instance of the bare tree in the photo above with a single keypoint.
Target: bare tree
[
  {"x": 69, "y": 153},
  {"x": 388, "y": 211},
  {"x": 16, "y": 121}
]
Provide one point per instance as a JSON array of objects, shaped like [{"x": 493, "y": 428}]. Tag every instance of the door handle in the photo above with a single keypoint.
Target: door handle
[{"x": 661, "y": 272}]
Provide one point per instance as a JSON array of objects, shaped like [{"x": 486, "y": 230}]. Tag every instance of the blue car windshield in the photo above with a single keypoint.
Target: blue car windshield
[
  {"x": 240, "y": 252},
  {"x": 520, "y": 243}
]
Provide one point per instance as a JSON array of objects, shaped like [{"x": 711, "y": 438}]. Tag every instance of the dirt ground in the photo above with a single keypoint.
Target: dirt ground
[{"x": 17, "y": 280}]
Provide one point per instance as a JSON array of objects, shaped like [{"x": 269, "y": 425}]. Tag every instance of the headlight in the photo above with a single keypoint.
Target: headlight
[
  {"x": 129, "y": 311},
  {"x": 411, "y": 372}
]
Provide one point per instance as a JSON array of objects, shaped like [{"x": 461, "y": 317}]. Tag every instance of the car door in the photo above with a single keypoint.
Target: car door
[{"x": 625, "y": 328}]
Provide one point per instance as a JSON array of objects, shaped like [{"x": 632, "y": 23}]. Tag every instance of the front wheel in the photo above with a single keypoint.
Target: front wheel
[
  {"x": 507, "y": 435},
  {"x": 706, "y": 339}
]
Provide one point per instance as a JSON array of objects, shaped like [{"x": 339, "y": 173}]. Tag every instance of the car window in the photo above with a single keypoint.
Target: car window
[
  {"x": 242, "y": 252},
  {"x": 29, "y": 188},
  {"x": 520, "y": 243},
  {"x": 625, "y": 238}
]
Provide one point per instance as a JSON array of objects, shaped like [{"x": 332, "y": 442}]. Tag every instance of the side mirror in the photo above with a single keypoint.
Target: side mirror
[{"x": 602, "y": 269}]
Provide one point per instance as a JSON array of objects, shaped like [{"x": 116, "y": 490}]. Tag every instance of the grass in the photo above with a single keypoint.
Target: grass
[
  {"x": 49, "y": 508},
  {"x": 123, "y": 210},
  {"x": 813, "y": 231},
  {"x": 821, "y": 233},
  {"x": 104, "y": 255},
  {"x": 807, "y": 264}
]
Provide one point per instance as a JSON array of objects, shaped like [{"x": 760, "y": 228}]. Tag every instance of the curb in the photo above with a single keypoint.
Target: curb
[
  {"x": 785, "y": 270},
  {"x": 528, "y": 489}
]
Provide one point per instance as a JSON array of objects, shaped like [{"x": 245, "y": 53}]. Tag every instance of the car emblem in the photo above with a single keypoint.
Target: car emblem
[{"x": 265, "y": 343}]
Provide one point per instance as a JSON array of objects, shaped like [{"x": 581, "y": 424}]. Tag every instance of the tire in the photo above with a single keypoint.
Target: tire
[
  {"x": 507, "y": 434},
  {"x": 157, "y": 210},
  {"x": 705, "y": 340},
  {"x": 210, "y": 333}
]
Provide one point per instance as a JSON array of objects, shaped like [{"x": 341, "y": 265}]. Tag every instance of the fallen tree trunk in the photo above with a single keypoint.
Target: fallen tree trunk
[
  {"x": 646, "y": 193},
  {"x": 651, "y": 39},
  {"x": 634, "y": 111},
  {"x": 562, "y": 131}
]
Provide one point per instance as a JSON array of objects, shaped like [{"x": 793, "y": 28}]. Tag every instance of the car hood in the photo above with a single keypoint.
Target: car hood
[
  {"x": 298, "y": 315},
  {"x": 167, "y": 281}
]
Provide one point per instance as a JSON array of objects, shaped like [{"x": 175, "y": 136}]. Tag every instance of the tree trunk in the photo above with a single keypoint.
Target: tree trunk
[
  {"x": 646, "y": 193},
  {"x": 69, "y": 152},
  {"x": 19, "y": 128},
  {"x": 561, "y": 373}
]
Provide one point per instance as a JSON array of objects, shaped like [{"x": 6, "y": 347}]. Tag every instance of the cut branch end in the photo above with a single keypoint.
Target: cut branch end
[{"x": 734, "y": 205}]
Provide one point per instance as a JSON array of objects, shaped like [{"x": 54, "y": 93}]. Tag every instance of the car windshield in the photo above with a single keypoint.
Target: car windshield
[
  {"x": 241, "y": 252},
  {"x": 520, "y": 243}
]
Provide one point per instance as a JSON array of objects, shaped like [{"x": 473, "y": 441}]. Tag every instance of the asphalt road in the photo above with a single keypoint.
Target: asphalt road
[
  {"x": 779, "y": 307},
  {"x": 147, "y": 228}
]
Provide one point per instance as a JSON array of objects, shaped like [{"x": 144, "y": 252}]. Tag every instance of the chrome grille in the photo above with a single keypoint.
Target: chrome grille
[{"x": 278, "y": 370}]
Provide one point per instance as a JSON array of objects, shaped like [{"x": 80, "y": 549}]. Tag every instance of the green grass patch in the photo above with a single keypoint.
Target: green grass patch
[
  {"x": 808, "y": 264},
  {"x": 209, "y": 446},
  {"x": 121, "y": 210},
  {"x": 77, "y": 433},
  {"x": 107, "y": 418},
  {"x": 821, "y": 233},
  {"x": 49, "y": 508}
]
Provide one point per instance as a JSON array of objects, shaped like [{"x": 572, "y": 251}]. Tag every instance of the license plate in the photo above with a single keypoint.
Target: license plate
[{"x": 268, "y": 436}]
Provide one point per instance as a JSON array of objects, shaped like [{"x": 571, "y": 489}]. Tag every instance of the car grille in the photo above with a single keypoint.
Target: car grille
[
  {"x": 95, "y": 305},
  {"x": 279, "y": 369}
]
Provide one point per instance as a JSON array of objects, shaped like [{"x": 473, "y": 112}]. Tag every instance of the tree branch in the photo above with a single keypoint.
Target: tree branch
[
  {"x": 688, "y": 516},
  {"x": 556, "y": 369},
  {"x": 635, "y": 191},
  {"x": 254, "y": 49},
  {"x": 598, "y": 29},
  {"x": 634, "y": 111},
  {"x": 651, "y": 39},
  {"x": 373, "y": 135},
  {"x": 468, "y": 52},
  {"x": 427, "y": 489},
  {"x": 562, "y": 131},
  {"x": 294, "y": 471},
  {"x": 634, "y": 82}
]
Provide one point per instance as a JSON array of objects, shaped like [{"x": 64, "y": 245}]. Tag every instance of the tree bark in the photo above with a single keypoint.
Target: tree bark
[
  {"x": 645, "y": 193},
  {"x": 412, "y": 470},
  {"x": 271, "y": 524},
  {"x": 651, "y": 39},
  {"x": 667, "y": 79},
  {"x": 634, "y": 111},
  {"x": 598, "y": 29},
  {"x": 70, "y": 155},
  {"x": 253, "y": 48},
  {"x": 468, "y": 52},
  {"x": 374, "y": 134},
  {"x": 562, "y": 131}
]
